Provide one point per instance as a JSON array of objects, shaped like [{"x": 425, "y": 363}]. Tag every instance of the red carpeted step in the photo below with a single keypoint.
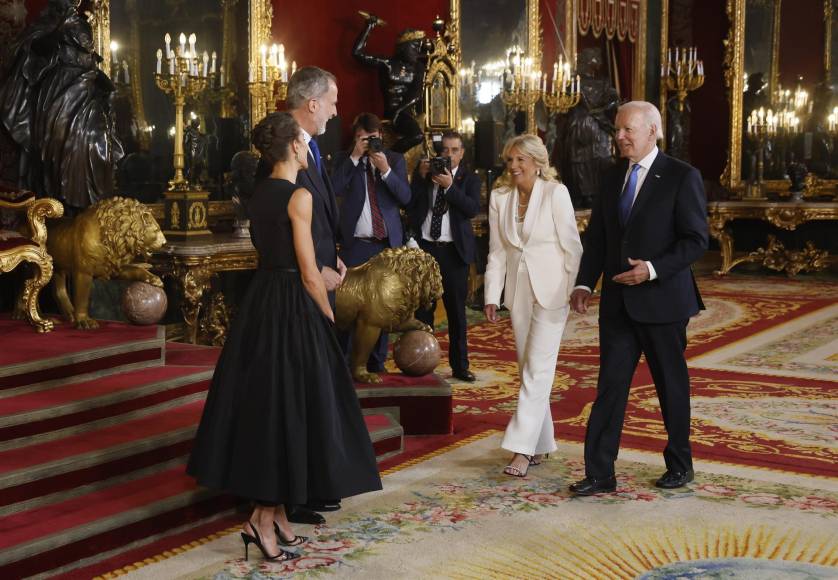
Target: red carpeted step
[
  {"x": 36, "y": 540},
  {"x": 178, "y": 353},
  {"x": 74, "y": 404},
  {"x": 386, "y": 434},
  {"x": 422, "y": 405},
  {"x": 66, "y": 352}
]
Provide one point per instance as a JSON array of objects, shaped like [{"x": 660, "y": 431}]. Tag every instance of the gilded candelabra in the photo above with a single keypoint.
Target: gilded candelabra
[
  {"x": 682, "y": 72},
  {"x": 270, "y": 84},
  {"x": 187, "y": 78},
  {"x": 564, "y": 93},
  {"x": 762, "y": 127},
  {"x": 521, "y": 89}
]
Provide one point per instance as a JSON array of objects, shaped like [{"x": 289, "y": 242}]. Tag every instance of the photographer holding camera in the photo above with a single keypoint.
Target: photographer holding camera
[
  {"x": 372, "y": 183},
  {"x": 446, "y": 195}
]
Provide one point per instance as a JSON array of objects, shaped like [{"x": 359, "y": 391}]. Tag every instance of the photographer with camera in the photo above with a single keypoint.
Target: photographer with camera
[
  {"x": 372, "y": 183},
  {"x": 446, "y": 195}
]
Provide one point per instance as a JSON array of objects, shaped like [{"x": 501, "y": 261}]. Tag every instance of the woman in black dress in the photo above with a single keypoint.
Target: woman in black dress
[{"x": 282, "y": 422}]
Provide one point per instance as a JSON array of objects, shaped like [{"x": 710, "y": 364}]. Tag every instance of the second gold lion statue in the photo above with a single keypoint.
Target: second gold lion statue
[
  {"x": 101, "y": 242},
  {"x": 383, "y": 294}
]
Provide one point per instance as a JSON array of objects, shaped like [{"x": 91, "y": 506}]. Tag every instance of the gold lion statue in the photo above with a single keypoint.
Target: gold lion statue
[
  {"x": 101, "y": 242},
  {"x": 383, "y": 294}
]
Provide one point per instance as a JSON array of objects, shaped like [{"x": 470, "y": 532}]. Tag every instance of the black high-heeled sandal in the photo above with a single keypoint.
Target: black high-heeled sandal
[
  {"x": 516, "y": 472},
  {"x": 283, "y": 555},
  {"x": 295, "y": 541}
]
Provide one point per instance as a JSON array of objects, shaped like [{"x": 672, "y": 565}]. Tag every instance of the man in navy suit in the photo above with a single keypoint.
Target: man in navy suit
[
  {"x": 647, "y": 228},
  {"x": 312, "y": 100},
  {"x": 373, "y": 185},
  {"x": 440, "y": 214}
]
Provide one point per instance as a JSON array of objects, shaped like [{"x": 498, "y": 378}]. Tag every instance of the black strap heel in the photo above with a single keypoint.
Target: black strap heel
[
  {"x": 248, "y": 539},
  {"x": 295, "y": 541}
]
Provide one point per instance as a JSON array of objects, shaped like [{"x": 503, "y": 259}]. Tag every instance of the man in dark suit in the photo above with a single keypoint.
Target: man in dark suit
[
  {"x": 440, "y": 214},
  {"x": 647, "y": 228},
  {"x": 373, "y": 185},
  {"x": 312, "y": 101}
]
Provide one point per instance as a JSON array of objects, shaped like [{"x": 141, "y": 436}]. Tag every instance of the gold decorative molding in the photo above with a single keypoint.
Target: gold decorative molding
[
  {"x": 733, "y": 65},
  {"x": 786, "y": 216},
  {"x": 260, "y": 18},
  {"x": 827, "y": 40},
  {"x": 99, "y": 16},
  {"x": 663, "y": 54}
]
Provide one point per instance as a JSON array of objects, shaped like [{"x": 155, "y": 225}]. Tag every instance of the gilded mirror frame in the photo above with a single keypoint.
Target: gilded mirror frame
[{"x": 734, "y": 69}]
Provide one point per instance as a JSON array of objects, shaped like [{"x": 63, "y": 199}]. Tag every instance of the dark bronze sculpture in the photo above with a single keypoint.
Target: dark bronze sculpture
[
  {"x": 402, "y": 77},
  {"x": 196, "y": 153},
  {"x": 678, "y": 129},
  {"x": 55, "y": 104},
  {"x": 587, "y": 139}
]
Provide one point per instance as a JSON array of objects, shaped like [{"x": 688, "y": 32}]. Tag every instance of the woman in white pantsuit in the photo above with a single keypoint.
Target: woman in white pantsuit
[{"x": 534, "y": 253}]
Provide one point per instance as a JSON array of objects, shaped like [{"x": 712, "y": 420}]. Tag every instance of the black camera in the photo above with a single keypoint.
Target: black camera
[
  {"x": 439, "y": 165},
  {"x": 374, "y": 145}
]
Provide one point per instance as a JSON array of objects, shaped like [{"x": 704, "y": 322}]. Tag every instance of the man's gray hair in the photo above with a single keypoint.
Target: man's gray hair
[
  {"x": 649, "y": 112},
  {"x": 309, "y": 82}
]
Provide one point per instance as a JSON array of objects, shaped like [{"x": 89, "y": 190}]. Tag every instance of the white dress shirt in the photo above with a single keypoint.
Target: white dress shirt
[
  {"x": 363, "y": 229},
  {"x": 645, "y": 164},
  {"x": 445, "y": 232}
]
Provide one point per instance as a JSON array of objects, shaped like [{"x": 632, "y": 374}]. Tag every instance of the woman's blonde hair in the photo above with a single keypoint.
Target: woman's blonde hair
[{"x": 533, "y": 147}]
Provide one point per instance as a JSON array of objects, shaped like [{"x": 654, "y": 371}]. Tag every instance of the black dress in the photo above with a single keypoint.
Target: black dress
[{"x": 282, "y": 423}]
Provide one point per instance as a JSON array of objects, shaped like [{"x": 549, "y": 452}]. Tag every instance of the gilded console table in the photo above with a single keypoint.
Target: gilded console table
[
  {"x": 193, "y": 262},
  {"x": 783, "y": 215}
]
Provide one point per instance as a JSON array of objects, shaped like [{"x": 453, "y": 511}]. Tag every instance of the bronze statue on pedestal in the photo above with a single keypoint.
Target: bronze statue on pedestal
[{"x": 401, "y": 77}]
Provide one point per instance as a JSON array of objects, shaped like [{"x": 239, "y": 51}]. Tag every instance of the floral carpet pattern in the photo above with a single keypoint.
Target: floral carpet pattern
[
  {"x": 427, "y": 518},
  {"x": 758, "y": 347}
]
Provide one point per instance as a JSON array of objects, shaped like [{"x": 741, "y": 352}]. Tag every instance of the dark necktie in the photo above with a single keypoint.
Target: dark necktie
[
  {"x": 439, "y": 209},
  {"x": 379, "y": 231},
  {"x": 627, "y": 197},
  {"x": 315, "y": 152}
]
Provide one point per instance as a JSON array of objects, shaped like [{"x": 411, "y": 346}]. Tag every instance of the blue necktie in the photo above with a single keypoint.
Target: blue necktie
[
  {"x": 627, "y": 196},
  {"x": 315, "y": 152}
]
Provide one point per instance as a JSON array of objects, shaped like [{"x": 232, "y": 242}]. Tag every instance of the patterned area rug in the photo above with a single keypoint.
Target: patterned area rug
[
  {"x": 763, "y": 360},
  {"x": 457, "y": 516}
]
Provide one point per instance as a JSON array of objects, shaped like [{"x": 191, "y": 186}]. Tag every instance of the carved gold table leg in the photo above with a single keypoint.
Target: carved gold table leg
[
  {"x": 193, "y": 280},
  {"x": 724, "y": 236}
]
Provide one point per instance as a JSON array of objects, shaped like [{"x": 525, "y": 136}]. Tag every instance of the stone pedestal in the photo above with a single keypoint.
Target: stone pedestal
[{"x": 186, "y": 214}]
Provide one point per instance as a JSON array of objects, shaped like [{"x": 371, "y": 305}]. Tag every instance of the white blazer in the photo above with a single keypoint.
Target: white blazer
[{"x": 549, "y": 245}]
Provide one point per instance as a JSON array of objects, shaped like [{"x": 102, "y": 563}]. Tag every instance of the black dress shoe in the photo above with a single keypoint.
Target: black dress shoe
[
  {"x": 673, "y": 479},
  {"x": 323, "y": 505},
  {"x": 594, "y": 485},
  {"x": 465, "y": 375},
  {"x": 302, "y": 515}
]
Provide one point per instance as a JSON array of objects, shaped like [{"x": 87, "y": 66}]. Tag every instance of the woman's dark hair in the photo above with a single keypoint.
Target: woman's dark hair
[{"x": 273, "y": 135}]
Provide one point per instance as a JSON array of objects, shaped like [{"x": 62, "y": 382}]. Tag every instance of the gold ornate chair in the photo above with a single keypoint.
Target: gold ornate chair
[{"x": 28, "y": 246}]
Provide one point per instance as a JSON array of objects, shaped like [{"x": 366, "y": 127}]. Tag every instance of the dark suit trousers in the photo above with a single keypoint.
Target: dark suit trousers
[
  {"x": 621, "y": 341},
  {"x": 362, "y": 251},
  {"x": 454, "y": 291}
]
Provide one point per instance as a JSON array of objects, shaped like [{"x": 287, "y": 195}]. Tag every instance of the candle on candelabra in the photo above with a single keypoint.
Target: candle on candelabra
[
  {"x": 114, "y": 50},
  {"x": 212, "y": 63},
  {"x": 206, "y": 63},
  {"x": 172, "y": 63},
  {"x": 221, "y": 75},
  {"x": 159, "y": 68},
  {"x": 125, "y": 74},
  {"x": 182, "y": 39},
  {"x": 250, "y": 73},
  {"x": 263, "y": 52},
  {"x": 192, "y": 40},
  {"x": 293, "y": 67},
  {"x": 168, "y": 39}
]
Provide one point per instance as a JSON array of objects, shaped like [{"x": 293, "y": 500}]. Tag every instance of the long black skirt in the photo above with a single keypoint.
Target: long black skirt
[{"x": 282, "y": 423}]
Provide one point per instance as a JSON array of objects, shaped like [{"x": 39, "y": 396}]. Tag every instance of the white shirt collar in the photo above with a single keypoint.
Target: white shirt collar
[
  {"x": 306, "y": 136},
  {"x": 647, "y": 161}
]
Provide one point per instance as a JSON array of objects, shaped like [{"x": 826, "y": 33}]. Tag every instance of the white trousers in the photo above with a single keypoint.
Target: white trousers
[{"x": 538, "y": 335}]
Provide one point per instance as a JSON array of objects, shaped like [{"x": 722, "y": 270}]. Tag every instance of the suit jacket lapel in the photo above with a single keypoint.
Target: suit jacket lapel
[
  {"x": 320, "y": 185},
  {"x": 649, "y": 185},
  {"x": 509, "y": 219}
]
